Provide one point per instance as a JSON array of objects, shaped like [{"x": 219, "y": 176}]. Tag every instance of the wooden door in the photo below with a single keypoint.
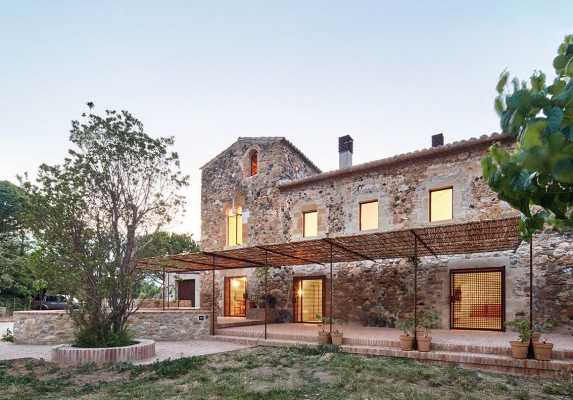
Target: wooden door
[{"x": 186, "y": 291}]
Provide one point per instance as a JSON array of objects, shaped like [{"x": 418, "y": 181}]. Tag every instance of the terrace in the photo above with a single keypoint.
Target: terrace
[{"x": 472, "y": 348}]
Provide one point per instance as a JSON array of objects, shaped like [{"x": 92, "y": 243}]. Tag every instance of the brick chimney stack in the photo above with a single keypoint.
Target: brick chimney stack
[{"x": 345, "y": 150}]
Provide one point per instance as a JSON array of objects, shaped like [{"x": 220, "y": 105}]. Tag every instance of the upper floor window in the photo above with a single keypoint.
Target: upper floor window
[
  {"x": 235, "y": 227},
  {"x": 310, "y": 223},
  {"x": 441, "y": 204},
  {"x": 369, "y": 215},
  {"x": 254, "y": 163}
]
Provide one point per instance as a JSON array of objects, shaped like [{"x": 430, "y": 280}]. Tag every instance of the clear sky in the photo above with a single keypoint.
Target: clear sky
[{"x": 390, "y": 73}]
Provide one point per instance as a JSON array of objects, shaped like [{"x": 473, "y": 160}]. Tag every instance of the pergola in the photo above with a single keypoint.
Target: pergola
[{"x": 436, "y": 240}]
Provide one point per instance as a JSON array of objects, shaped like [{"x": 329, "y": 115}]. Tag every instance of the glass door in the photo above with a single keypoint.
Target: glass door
[
  {"x": 477, "y": 299},
  {"x": 235, "y": 296},
  {"x": 308, "y": 299}
]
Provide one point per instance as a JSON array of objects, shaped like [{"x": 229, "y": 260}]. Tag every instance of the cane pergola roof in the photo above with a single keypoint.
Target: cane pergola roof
[{"x": 466, "y": 238}]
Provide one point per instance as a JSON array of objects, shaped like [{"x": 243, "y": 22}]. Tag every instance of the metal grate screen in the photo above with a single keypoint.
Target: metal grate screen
[{"x": 477, "y": 299}]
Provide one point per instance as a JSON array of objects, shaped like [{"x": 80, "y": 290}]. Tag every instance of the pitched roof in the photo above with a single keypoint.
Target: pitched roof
[
  {"x": 269, "y": 139},
  {"x": 428, "y": 153}
]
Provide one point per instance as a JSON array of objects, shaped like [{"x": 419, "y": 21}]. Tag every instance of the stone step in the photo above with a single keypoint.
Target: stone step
[{"x": 489, "y": 362}]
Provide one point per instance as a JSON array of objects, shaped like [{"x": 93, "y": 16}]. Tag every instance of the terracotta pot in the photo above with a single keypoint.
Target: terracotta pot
[
  {"x": 406, "y": 342},
  {"x": 519, "y": 349},
  {"x": 337, "y": 339},
  {"x": 424, "y": 343},
  {"x": 535, "y": 337},
  {"x": 323, "y": 337},
  {"x": 542, "y": 351}
]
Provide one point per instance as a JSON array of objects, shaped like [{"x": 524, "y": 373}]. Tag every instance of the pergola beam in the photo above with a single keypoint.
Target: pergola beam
[
  {"x": 344, "y": 248},
  {"x": 417, "y": 237},
  {"x": 290, "y": 256},
  {"x": 233, "y": 258}
]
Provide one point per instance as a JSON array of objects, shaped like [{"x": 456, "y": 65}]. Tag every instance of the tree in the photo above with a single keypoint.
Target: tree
[
  {"x": 14, "y": 273},
  {"x": 161, "y": 244},
  {"x": 117, "y": 185},
  {"x": 536, "y": 176}
]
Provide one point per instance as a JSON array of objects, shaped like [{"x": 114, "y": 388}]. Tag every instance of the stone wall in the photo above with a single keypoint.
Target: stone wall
[
  {"x": 363, "y": 290},
  {"x": 56, "y": 327}
]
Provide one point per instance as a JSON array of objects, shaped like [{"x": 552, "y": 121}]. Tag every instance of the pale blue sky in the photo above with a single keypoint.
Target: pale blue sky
[{"x": 390, "y": 73}]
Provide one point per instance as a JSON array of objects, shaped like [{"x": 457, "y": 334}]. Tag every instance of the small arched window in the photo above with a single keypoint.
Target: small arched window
[{"x": 254, "y": 162}]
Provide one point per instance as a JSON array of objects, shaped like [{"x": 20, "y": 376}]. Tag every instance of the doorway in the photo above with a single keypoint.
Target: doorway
[
  {"x": 235, "y": 296},
  {"x": 186, "y": 292},
  {"x": 308, "y": 302},
  {"x": 477, "y": 299}
]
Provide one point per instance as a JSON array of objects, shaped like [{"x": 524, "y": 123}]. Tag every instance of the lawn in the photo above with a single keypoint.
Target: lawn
[{"x": 270, "y": 374}]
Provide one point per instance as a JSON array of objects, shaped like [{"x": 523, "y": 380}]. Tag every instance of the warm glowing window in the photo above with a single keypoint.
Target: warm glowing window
[
  {"x": 369, "y": 215},
  {"x": 235, "y": 227},
  {"x": 254, "y": 161},
  {"x": 310, "y": 223},
  {"x": 441, "y": 205}
]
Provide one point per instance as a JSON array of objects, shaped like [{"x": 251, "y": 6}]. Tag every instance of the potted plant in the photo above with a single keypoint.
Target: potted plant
[
  {"x": 406, "y": 339},
  {"x": 323, "y": 332},
  {"x": 519, "y": 348},
  {"x": 542, "y": 350},
  {"x": 337, "y": 334},
  {"x": 428, "y": 320}
]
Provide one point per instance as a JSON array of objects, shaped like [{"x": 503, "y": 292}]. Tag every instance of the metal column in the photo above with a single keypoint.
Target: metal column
[
  {"x": 531, "y": 283},
  {"x": 163, "y": 290},
  {"x": 168, "y": 292},
  {"x": 331, "y": 288},
  {"x": 266, "y": 290},
  {"x": 213, "y": 317},
  {"x": 415, "y": 291}
]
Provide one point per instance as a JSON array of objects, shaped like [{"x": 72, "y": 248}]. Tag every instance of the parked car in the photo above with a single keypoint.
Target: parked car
[{"x": 53, "y": 302}]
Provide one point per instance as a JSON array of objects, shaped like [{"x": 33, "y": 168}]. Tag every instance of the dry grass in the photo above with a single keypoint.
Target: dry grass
[{"x": 270, "y": 374}]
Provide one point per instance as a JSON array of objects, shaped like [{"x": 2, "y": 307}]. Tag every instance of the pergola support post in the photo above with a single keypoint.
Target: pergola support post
[
  {"x": 266, "y": 292},
  {"x": 415, "y": 292},
  {"x": 163, "y": 290},
  {"x": 168, "y": 290},
  {"x": 530, "y": 353},
  {"x": 213, "y": 316},
  {"x": 331, "y": 290}
]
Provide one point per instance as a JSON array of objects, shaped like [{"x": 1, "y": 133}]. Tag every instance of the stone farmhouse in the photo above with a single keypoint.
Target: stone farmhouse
[{"x": 264, "y": 190}]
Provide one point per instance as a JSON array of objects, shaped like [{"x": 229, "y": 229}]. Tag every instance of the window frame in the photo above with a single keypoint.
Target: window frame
[
  {"x": 253, "y": 156},
  {"x": 360, "y": 215},
  {"x": 237, "y": 226},
  {"x": 304, "y": 223},
  {"x": 430, "y": 191}
]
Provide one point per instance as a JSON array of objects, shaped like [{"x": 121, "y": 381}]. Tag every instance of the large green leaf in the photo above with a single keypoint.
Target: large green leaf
[
  {"x": 563, "y": 169},
  {"x": 532, "y": 135}
]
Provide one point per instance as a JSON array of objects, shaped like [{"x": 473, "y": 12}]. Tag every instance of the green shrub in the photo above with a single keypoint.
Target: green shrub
[
  {"x": 90, "y": 338},
  {"x": 175, "y": 368}
]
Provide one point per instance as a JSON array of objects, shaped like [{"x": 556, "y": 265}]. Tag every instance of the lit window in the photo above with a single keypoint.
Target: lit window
[
  {"x": 254, "y": 162},
  {"x": 235, "y": 227},
  {"x": 310, "y": 223},
  {"x": 369, "y": 215},
  {"x": 441, "y": 205}
]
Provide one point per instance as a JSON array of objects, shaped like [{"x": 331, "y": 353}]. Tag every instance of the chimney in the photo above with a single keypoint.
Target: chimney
[
  {"x": 438, "y": 140},
  {"x": 345, "y": 149}
]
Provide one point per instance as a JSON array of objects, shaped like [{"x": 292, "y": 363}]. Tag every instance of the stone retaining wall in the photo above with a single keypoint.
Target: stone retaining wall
[{"x": 56, "y": 327}]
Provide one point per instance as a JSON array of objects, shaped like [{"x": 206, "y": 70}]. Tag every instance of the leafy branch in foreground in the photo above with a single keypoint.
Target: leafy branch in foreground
[{"x": 536, "y": 176}]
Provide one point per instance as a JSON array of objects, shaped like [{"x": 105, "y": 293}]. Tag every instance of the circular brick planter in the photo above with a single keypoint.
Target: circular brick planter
[{"x": 66, "y": 354}]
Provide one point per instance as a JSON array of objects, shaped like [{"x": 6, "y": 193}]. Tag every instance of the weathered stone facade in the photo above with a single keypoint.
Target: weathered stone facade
[
  {"x": 56, "y": 327},
  {"x": 288, "y": 184}
]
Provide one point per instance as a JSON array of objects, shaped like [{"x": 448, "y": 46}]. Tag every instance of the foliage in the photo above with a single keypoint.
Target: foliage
[
  {"x": 96, "y": 338},
  {"x": 428, "y": 320},
  {"x": 174, "y": 368},
  {"x": 378, "y": 316},
  {"x": 8, "y": 336},
  {"x": 522, "y": 327},
  {"x": 406, "y": 325},
  {"x": 536, "y": 177},
  {"x": 156, "y": 244},
  {"x": 88, "y": 214},
  {"x": 12, "y": 204}
]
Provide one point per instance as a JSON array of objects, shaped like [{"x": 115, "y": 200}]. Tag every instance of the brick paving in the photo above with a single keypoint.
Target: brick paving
[
  {"x": 442, "y": 339},
  {"x": 164, "y": 350}
]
